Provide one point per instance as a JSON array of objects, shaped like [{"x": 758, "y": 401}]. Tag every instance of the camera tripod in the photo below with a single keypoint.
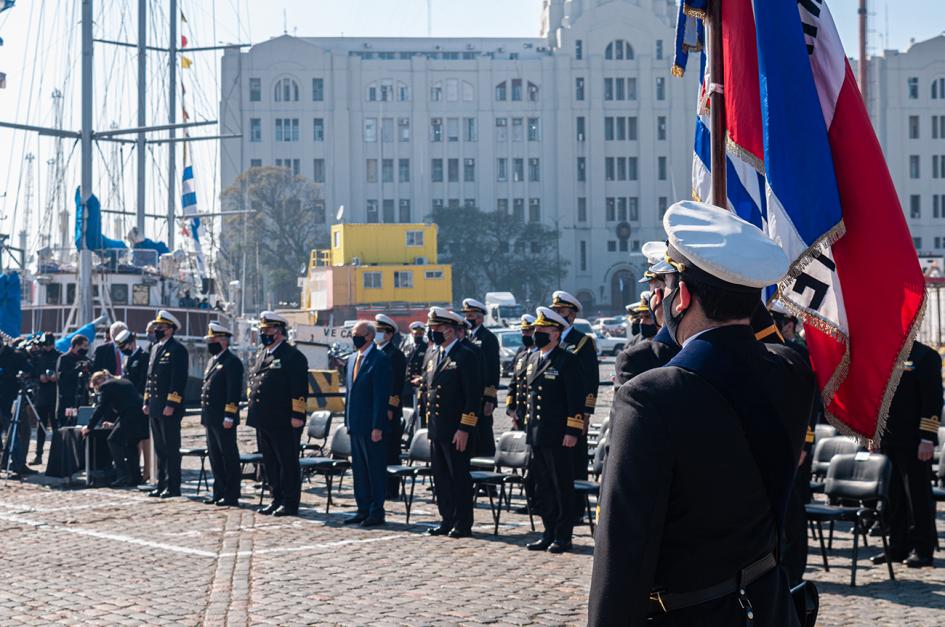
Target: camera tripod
[{"x": 12, "y": 436}]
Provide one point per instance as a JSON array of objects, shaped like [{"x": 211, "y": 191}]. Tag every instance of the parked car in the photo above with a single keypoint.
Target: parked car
[
  {"x": 510, "y": 340},
  {"x": 615, "y": 325},
  {"x": 609, "y": 344}
]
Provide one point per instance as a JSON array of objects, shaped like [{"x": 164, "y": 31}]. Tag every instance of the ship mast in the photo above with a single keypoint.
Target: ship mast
[{"x": 84, "y": 300}]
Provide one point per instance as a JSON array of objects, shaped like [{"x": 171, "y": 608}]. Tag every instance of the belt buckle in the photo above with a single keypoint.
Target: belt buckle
[{"x": 658, "y": 598}]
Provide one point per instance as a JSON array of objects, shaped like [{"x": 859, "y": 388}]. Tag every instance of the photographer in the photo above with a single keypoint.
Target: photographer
[
  {"x": 73, "y": 370},
  {"x": 44, "y": 372},
  {"x": 119, "y": 409},
  {"x": 14, "y": 372}
]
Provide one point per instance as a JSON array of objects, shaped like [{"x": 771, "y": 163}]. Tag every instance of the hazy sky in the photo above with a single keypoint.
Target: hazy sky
[{"x": 38, "y": 56}]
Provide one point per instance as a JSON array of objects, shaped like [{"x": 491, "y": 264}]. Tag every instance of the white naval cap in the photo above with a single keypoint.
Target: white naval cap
[
  {"x": 416, "y": 324},
  {"x": 471, "y": 305},
  {"x": 216, "y": 329},
  {"x": 442, "y": 315},
  {"x": 641, "y": 305},
  {"x": 560, "y": 298},
  {"x": 526, "y": 321},
  {"x": 547, "y": 317},
  {"x": 385, "y": 323},
  {"x": 269, "y": 319},
  {"x": 165, "y": 317},
  {"x": 721, "y": 248},
  {"x": 116, "y": 328},
  {"x": 124, "y": 336},
  {"x": 654, "y": 251}
]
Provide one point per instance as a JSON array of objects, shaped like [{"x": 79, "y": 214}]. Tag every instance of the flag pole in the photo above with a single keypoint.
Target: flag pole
[{"x": 713, "y": 25}]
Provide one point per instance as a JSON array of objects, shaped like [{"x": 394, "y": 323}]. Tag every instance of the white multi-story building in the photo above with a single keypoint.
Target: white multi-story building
[
  {"x": 582, "y": 128},
  {"x": 906, "y": 99}
]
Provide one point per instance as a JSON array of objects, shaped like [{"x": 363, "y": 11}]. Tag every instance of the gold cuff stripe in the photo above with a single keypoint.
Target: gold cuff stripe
[
  {"x": 394, "y": 401},
  {"x": 298, "y": 405},
  {"x": 469, "y": 420},
  {"x": 489, "y": 391},
  {"x": 591, "y": 400},
  {"x": 809, "y": 438},
  {"x": 929, "y": 424},
  {"x": 174, "y": 397},
  {"x": 231, "y": 408},
  {"x": 576, "y": 423}
]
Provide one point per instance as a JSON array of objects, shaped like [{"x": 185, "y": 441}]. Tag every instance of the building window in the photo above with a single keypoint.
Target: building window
[
  {"x": 468, "y": 94},
  {"x": 609, "y": 169},
  {"x": 470, "y": 130},
  {"x": 372, "y": 216},
  {"x": 938, "y": 89},
  {"x": 915, "y": 207},
  {"x": 914, "y": 171},
  {"x": 372, "y": 280},
  {"x": 453, "y": 203},
  {"x": 502, "y": 205},
  {"x": 403, "y": 92},
  {"x": 403, "y": 170},
  {"x": 619, "y": 93},
  {"x": 534, "y": 170},
  {"x": 660, "y": 127},
  {"x": 318, "y": 129},
  {"x": 917, "y": 242},
  {"x": 318, "y": 173},
  {"x": 662, "y": 206},
  {"x": 436, "y": 129},
  {"x": 255, "y": 163},
  {"x": 581, "y": 133},
  {"x": 501, "y": 129},
  {"x": 631, "y": 168},
  {"x": 387, "y": 170},
  {"x": 388, "y": 209},
  {"x": 371, "y": 170},
  {"x": 583, "y": 255},
  {"x": 452, "y": 129},
  {"x": 436, "y": 171},
  {"x": 452, "y": 90},
  {"x": 938, "y": 167},
  {"x": 287, "y": 129},
  {"x": 622, "y": 244},
  {"x": 581, "y": 169},
  {"x": 934, "y": 166},
  {"x": 913, "y": 127},
  {"x": 534, "y": 130},
  {"x": 660, "y": 88},
  {"x": 452, "y": 170},
  {"x": 661, "y": 168},
  {"x": 612, "y": 246},
  {"x": 621, "y": 168},
  {"x": 318, "y": 90},
  {"x": 631, "y": 89},
  {"x": 518, "y": 209},
  {"x": 608, "y": 89},
  {"x": 518, "y": 170},
  {"x": 403, "y": 125},
  {"x": 913, "y": 88},
  {"x": 532, "y": 92},
  {"x": 938, "y": 202},
  {"x": 582, "y": 209},
  {"x": 434, "y": 275},
  {"x": 469, "y": 170},
  {"x": 255, "y": 90},
  {"x": 610, "y": 210},
  {"x": 578, "y": 49},
  {"x": 518, "y": 132},
  {"x": 436, "y": 91},
  {"x": 632, "y": 128},
  {"x": 618, "y": 50},
  {"x": 438, "y": 204},
  {"x": 387, "y": 130},
  {"x": 255, "y": 130},
  {"x": 534, "y": 209},
  {"x": 622, "y": 209},
  {"x": 292, "y": 165},
  {"x": 501, "y": 169},
  {"x": 633, "y": 209},
  {"x": 414, "y": 238},
  {"x": 286, "y": 90},
  {"x": 370, "y": 130},
  {"x": 501, "y": 95},
  {"x": 579, "y": 89},
  {"x": 938, "y": 127},
  {"x": 659, "y": 49},
  {"x": 516, "y": 90}
]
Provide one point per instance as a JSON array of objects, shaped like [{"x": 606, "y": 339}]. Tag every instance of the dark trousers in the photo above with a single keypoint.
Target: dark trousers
[
  {"x": 485, "y": 439},
  {"x": 224, "y": 457},
  {"x": 553, "y": 470},
  {"x": 123, "y": 446},
  {"x": 46, "y": 420},
  {"x": 911, "y": 507},
  {"x": 393, "y": 440},
  {"x": 280, "y": 451},
  {"x": 454, "y": 492},
  {"x": 17, "y": 442},
  {"x": 369, "y": 467},
  {"x": 165, "y": 430},
  {"x": 579, "y": 459},
  {"x": 794, "y": 547}
]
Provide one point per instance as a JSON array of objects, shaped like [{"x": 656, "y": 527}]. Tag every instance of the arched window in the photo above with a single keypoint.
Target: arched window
[
  {"x": 938, "y": 89},
  {"x": 286, "y": 90},
  {"x": 532, "y": 92},
  {"x": 501, "y": 93},
  {"x": 618, "y": 50}
]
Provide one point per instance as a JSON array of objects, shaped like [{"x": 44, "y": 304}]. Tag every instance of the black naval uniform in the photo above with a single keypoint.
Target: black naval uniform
[
  {"x": 44, "y": 362},
  {"x": 644, "y": 355},
  {"x": 72, "y": 371},
  {"x": 278, "y": 390},
  {"x": 394, "y": 438},
  {"x": 120, "y": 403},
  {"x": 582, "y": 346},
  {"x": 453, "y": 398},
  {"x": 219, "y": 400},
  {"x": 913, "y": 416},
  {"x": 167, "y": 379},
  {"x": 516, "y": 401},
  {"x": 136, "y": 369},
  {"x": 555, "y": 400},
  {"x": 488, "y": 344},
  {"x": 702, "y": 458},
  {"x": 415, "y": 358}
]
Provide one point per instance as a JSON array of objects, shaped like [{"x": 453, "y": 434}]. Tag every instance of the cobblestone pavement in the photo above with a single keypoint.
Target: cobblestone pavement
[{"x": 104, "y": 556}]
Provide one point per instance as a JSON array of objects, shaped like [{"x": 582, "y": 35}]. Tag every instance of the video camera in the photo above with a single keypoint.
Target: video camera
[{"x": 27, "y": 382}]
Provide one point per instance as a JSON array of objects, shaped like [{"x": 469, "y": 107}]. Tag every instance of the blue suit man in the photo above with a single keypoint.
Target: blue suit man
[{"x": 368, "y": 379}]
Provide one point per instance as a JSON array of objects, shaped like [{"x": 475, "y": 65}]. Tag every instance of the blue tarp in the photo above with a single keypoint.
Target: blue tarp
[
  {"x": 10, "y": 311},
  {"x": 94, "y": 240},
  {"x": 63, "y": 343},
  {"x": 149, "y": 244}
]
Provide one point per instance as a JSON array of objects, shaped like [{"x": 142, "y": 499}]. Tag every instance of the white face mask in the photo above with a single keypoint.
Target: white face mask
[{"x": 382, "y": 339}]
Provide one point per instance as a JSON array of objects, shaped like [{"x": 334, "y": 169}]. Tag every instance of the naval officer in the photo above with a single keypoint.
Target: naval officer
[{"x": 220, "y": 415}]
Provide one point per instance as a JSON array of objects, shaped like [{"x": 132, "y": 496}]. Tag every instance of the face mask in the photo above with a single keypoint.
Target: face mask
[
  {"x": 382, "y": 339},
  {"x": 473, "y": 322},
  {"x": 671, "y": 321},
  {"x": 159, "y": 334},
  {"x": 267, "y": 340},
  {"x": 127, "y": 352},
  {"x": 527, "y": 341},
  {"x": 542, "y": 339},
  {"x": 358, "y": 341},
  {"x": 437, "y": 337},
  {"x": 214, "y": 348},
  {"x": 635, "y": 327},
  {"x": 82, "y": 352},
  {"x": 648, "y": 330}
]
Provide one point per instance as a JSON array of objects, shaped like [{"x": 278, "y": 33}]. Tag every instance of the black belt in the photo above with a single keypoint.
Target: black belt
[{"x": 661, "y": 602}]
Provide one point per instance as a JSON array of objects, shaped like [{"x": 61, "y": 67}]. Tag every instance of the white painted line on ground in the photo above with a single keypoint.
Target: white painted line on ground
[
  {"x": 322, "y": 545},
  {"x": 28, "y": 509}
]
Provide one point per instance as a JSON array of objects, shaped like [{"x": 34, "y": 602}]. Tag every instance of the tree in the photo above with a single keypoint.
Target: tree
[
  {"x": 283, "y": 219},
  {"x": 495, "y": 251}
]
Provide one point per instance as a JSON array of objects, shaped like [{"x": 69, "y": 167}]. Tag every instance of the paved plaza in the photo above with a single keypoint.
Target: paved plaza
[{"x": 101, "y": 556}]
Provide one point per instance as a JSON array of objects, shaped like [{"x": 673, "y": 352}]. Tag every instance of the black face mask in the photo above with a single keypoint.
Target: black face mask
[
  {"x": 437, "y": 337},
  {"x": 527, "y": 341},
  {"x": 473, "y": 322},
  {"x": 648, "y": 330},
  {"x": 358, "y": 341},
  {"x": 127, "y": 352},
  {"x": 82, "y": 352},
  {"x": 214, "y": 348},
  {"x": 159, "y": 334},
  {"x": 635, "y": 327},
  {"x": 542, "y": 339},
  {"x": 267, "y": 340},
  {"x": 671, "y": 321}
]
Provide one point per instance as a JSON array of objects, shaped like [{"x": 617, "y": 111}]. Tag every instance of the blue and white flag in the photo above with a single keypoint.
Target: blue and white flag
[{"x": 189, "y": 205}]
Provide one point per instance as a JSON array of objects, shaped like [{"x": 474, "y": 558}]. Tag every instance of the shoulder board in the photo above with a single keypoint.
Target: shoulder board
[{"x": 581, "y": 344}]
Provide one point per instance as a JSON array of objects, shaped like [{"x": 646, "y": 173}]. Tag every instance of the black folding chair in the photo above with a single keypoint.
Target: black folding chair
[
  {"x": 336, "y": 465},
  {"x": 202, "y": 454},
  {"x": 823, "y": 431},
  {"x": 416, "y": 464},
  {"x": 258, "y": 472},
  {"x": 824, "y": 450},
  {"x": 511, "y": 452},
  {"x": 318, "y": 428},
  {"x": 588, "y": 488},
  {"x": 858, "y": 488}
]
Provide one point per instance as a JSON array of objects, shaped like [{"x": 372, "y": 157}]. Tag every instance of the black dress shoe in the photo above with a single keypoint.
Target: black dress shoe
[
  {"x": 460, "y": 533},
  {"x": 209, "y": 501},
  {"x": 156, "y": 492},
  {"x": 559, "y": 547},
  {"x": 357, "y": 519},
  {"x": 169, "y": 494},
  {"x": 227, "y": 503},
  {"x": 268, "y": 510},
  {"x": 37, "y": 461},
  {"x": 286, "y": 511},
  {"x": 916, "y": 561},
  {"x": 894, "y": 557},
  {"x": 442, "y": 530},
  {"x": 120, "y": 483},
  {"x": 373, "y": 521},
  {"x": 26, "y": 470},
  {"x": 539, "y": 545}
]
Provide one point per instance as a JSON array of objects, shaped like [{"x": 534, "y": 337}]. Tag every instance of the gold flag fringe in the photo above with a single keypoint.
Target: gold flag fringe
[
  {"x": 678, "y": 70},
  {"x": 699, "y": 14},
  {"x": 745, "y": 155}
]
